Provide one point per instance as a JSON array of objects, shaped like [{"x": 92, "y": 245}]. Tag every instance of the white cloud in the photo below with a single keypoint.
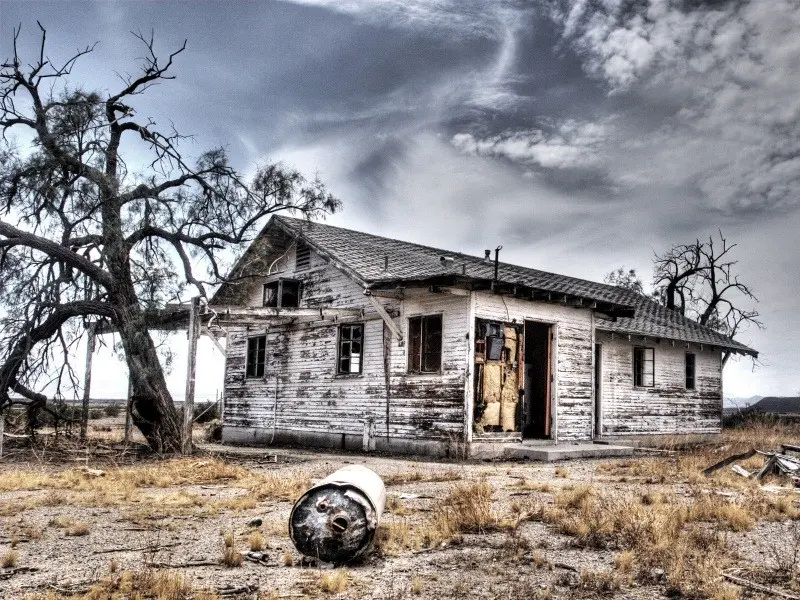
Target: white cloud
[{"x": 568, "y": 145}]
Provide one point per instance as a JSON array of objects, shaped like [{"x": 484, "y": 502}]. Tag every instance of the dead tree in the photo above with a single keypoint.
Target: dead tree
[
  {"x": 87, "y": 239},
  {"x": 698, "y": 280}
]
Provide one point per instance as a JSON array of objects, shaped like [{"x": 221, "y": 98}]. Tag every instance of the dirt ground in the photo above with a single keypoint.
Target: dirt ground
[{"x": 646, "y": 527}]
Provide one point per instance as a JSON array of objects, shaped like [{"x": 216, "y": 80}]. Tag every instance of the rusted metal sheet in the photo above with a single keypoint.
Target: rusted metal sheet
[{"x": 336, "y": 520}]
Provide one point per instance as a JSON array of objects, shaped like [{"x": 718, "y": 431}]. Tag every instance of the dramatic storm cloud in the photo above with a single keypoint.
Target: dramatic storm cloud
[{"x": 580, "y": 135}]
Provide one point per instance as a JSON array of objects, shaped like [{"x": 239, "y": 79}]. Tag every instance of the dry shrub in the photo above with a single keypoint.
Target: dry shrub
[
  {"x": 158, "y": 585},
  {"x": 562, "y": 472},
  {"x": 9, "y": 559},
  {"x": 533, "y": 486},
  {"x": 78, "y": 529},
  {"x": 283, "y": 486},
  {"x": 604, "y": 583},
  {"x": 395, "y": 506},
  {"x": 394, "y": 537},
  {"x": 334, "y": 582},
  {"x": 287, "y": 559},
  {"x": 231, "y": 557},
  {"x": 256, "y": 541},
  {"x": 466, "y": 509},
  {"x": 729, "y": 515},
  {"x": 416, "y": 586},
  {"x": 658, "y": 542}
]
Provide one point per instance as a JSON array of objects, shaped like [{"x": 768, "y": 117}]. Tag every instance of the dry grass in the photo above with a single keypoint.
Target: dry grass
[
  {"x": 256, "y": 541},
  {"x": 78, "y": 529},
  {"x": 421, "y": 477},
  {"x": 562, "y": 472},
  {"x": 9, "y": 559},
  {"x": 334, "y": 582},
  {"x": 158, "y": 585}
]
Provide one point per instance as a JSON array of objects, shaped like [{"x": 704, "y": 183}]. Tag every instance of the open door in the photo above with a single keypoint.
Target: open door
[{"x": 538, "y": 380}]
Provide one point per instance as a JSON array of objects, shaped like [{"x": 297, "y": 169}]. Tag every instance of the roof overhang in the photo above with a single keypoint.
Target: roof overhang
[
  {"x": 394, "y": 288},
  {"x": 731, "y": 346}
]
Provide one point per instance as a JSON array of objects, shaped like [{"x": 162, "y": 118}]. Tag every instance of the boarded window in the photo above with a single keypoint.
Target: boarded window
[
  {"x": 302, "y": 257},
  {"x": 256, "y": 355},
  {"x": 643, "y": 367},
  {"x": 425, "y": 344},
  {"x": 284, "y": 293},
  {"x": 690, "y": 364},
  {"x": 351, "y": 348}
]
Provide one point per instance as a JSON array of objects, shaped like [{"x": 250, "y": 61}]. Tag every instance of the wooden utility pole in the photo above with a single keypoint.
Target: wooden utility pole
[
  {"x": 87, "y": 380},
  {"x": 188, "y": 402}
]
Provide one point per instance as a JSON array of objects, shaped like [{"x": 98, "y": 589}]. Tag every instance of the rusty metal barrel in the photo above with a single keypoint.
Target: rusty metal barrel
[{"x": 335, "y": 521}]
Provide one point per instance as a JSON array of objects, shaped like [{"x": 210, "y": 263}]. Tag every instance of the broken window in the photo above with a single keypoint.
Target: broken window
[
  {"x": 351, "y": 344},
  {"x": 256, "y": 356},
  {"x": 643, "y": 367},
  {"x": 284, "y": 293},
  {"x": 425, "y": 344},
  {"x": 690, "y": 363}
]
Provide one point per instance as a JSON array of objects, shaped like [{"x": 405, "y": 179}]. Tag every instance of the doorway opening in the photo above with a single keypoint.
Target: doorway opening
[{"x": 538, "y": 381}]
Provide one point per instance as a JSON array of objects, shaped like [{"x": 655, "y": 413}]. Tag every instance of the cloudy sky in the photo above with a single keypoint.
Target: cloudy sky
[{"x": 581, "y": 135}]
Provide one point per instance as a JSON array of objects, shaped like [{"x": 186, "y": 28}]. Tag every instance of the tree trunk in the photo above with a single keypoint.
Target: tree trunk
[{"x": 152, "y": 409}]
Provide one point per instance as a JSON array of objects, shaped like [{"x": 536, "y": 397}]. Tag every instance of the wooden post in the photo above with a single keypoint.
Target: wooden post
[
  {"x": 87, "y": 380},
  {"x": 188, "y": 402},
  {"x": 128, "y": 408}
]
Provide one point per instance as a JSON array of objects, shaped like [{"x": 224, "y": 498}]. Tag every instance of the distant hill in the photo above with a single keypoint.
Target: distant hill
[
  {"x": 779, "y": 405},
  {"x": 735, "y": 402}
]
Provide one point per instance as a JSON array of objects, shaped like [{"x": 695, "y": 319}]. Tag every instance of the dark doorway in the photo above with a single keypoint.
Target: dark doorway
[
  {"x": 598, "y": 378},
  {"x": 538, "y": 417}
]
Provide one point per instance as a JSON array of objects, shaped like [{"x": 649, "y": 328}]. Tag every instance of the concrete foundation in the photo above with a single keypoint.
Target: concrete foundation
[
  {"x": 540, "y": 450},
  {"x": 257, "y": 436},
  {"x": 659, "y": 440}
]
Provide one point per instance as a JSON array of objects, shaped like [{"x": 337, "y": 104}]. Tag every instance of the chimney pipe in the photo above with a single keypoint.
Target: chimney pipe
[
  {"x": 496, "y": 264},
  {"x": 487, "y": 254}
]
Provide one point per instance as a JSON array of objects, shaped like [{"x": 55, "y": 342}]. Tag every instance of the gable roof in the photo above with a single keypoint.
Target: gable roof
[{"x": 377, "y": 262}]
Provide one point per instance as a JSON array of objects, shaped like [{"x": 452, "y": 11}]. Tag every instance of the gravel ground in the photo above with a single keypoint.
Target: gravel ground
[{"x": 133, "y": 536}]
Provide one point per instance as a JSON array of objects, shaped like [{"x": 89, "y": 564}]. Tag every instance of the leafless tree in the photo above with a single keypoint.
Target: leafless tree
[
  {"x": 699, "y": 280},
  {"x": 85, "y": 240}
]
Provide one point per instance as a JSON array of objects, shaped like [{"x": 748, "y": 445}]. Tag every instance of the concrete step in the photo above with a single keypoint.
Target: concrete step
[{"x": 564, "y": 451}]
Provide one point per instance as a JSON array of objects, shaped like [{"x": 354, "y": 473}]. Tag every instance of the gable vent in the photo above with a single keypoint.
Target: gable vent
[{"x": 302, "y": 256}]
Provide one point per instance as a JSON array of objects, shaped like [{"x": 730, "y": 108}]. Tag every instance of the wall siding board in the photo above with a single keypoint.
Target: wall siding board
[
  {"x": 311, "y": 397},
  {"x": 667, "y": 407}
]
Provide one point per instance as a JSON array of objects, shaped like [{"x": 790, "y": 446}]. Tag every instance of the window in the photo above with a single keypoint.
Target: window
[
  {"x": 256, "y": 354},
  {"x": 425, "y": 344},
  {"x": 351, "y": 344},
  {"x": 302, "y": 258},
  {"x": 690, "y": 361},
  {"x": 284, "y": 293},
  {"x": 643, "y": 367}
]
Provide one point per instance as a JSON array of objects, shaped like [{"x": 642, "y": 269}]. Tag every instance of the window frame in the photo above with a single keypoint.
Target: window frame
[
  {"x": 279, "y": 292},
  {"x": 259, "y": 366},
  {"x": 340, "y": 340},
  {"x": 639, "y": 377},
  {"x": 411, "y": 360},
  {"x": 693, "y": 377}
]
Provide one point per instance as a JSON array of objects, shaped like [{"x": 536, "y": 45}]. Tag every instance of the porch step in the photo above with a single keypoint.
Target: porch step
[{"x": 564, "y": 451}]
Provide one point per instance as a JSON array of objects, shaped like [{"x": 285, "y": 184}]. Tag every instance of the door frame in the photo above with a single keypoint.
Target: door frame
[
  {"x": 597, "y": 388},
  {"x": 550, "y": 414}
]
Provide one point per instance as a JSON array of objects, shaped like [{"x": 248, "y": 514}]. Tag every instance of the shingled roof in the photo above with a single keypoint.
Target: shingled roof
[{"x": 364, "y": 257}]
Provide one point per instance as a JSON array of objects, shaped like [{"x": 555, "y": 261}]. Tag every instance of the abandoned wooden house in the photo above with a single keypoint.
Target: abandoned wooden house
[{"x": 337, "y": 338}]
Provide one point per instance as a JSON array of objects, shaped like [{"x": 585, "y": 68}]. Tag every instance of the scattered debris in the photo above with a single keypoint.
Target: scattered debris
[
  {"x": 255, "y": 523},
  {"x": 776, "y": 463},
  {"x": 336, "y": 519},
  {"x": 746, "y": 583}
]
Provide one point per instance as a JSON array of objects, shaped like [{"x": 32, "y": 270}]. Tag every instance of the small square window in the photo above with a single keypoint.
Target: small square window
[
  {"x": 284, "y": 293},
  {"x": 690, "y": 371},
  {"x": 351, "y": 349},
  {"x": 425, "y": 344},
  {"x": 256, "y": 356},
  {"x": 643, "y": 367}
]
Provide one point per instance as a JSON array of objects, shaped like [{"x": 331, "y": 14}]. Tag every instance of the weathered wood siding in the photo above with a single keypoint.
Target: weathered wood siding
[
  {"x": 667, "y": 407},
  {"x": 301, "y": 367},
  {"x": 571, "y": 390}
]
